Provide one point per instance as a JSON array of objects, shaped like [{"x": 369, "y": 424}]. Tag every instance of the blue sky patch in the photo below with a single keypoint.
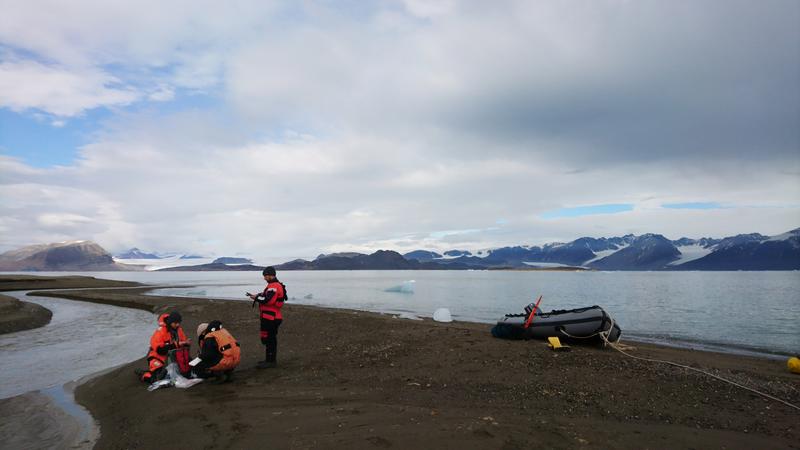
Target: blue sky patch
[
  {"x": 44, "y": 140},
  {"x": 589, "y": 210},
  {"x": 33, "y": 138}
]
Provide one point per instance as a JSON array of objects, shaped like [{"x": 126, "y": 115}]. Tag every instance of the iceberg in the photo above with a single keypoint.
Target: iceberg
[
  {"x": 442, "y": 315},
  {"x": 406, "y": 288},
  {"x": 407, "y": 316}
]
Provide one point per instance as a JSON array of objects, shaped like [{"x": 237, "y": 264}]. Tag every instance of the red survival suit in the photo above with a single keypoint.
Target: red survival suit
[
  {"x": 270, "y": 303},
  {"x": 161, "y": 343}
]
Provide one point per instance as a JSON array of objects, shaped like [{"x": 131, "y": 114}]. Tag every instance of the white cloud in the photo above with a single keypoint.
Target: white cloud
[
  {"x": 383, "y": 126},
  {"x": 59, "y": 91},
  {"x": 429, "y": 8},
  {"x": 61, "y": 220}
]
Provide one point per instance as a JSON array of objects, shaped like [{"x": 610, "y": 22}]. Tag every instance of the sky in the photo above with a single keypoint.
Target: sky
[{"x": 288, "y": 129}]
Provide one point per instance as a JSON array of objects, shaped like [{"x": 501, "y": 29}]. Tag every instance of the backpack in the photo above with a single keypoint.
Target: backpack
[{"x": 182, "y": 358}]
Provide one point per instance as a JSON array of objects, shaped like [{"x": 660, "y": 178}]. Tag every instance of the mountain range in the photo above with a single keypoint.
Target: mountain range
[{"x": 645, "y": 252}]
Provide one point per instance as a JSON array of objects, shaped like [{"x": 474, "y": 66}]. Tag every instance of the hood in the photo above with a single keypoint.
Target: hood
[{"x": 161, "y": 318}]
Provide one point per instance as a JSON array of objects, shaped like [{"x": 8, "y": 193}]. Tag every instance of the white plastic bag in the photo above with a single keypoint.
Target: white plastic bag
[{"x": 174, "y": 378}]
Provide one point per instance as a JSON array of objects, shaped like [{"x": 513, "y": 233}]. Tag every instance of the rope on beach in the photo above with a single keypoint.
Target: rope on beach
[{"x": 604, "y": 336}]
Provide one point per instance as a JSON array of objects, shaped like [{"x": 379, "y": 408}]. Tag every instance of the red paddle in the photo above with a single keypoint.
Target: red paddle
[{"x": 530, "y": 318}]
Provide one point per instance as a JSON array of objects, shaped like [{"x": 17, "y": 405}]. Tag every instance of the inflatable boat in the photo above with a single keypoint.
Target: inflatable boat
[{"x": 581, "y": 323}]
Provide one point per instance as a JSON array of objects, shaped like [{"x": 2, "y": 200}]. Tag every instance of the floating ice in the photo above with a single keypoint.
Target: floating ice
[
  {"x": 408, "y": 315},
  {"x": 309, "y": 296},
  {"x": 406, "y": 288},
  {"x": 442, "y": 315}
]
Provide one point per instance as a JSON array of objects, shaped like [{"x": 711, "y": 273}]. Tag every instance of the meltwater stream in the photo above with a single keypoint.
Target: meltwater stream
[{"x": 80, "y": 340}]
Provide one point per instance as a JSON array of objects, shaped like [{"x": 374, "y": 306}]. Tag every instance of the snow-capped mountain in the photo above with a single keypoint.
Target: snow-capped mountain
[
  {"x": 751, "y": 252},
  {"x": 135, "y": 253},
  {"x": 646, "y": 252}
]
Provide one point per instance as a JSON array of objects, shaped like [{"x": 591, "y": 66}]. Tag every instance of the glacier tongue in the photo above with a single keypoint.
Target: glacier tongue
[{"x": 690, "y": 253}]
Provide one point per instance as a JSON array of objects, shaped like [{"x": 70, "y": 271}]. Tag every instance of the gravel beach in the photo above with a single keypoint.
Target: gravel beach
[{"x": 350, "y": 379}]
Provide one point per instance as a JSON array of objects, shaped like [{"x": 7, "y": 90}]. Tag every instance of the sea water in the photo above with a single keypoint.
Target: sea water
[{"x": 740, "y": 312}]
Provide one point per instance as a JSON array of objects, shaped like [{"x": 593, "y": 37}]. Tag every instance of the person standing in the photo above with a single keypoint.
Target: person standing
[{"x": 270, "y": 302}]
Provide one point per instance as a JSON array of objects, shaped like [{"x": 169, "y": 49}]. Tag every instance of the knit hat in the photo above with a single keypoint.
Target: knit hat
[
  {"x": 214, "y": 325},
  {"x": 174, "y": 316},
  {"x": 269, "y": 271},
  {"x": 201, "y": 329}
]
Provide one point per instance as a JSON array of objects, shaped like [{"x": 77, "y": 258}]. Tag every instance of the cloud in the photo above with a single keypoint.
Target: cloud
[
  {"x": 59, "y": 91},
  {"x": 693, "y": 205},
  {"x": 429, "y": 8},
  {"x": 158, "y": 184},
  {"x": 616, "y": 82},
  {"x": 91, "y": 54},
  {"x": 327, "y": 127},
  {"x": 589, "y": 210}
]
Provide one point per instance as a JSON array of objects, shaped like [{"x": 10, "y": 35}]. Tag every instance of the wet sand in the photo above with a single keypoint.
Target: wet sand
[
  {"x": 17, "y": 316},
  {"x": 34, "y": 421},
  {"x": 23, "y": 282},
  {"x": 349, "y": 379}
]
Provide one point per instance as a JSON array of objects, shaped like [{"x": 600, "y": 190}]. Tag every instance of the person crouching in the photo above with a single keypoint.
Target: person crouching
[
  {"x": 168, "y": 336},
  {"x": 219, "y": 352}
]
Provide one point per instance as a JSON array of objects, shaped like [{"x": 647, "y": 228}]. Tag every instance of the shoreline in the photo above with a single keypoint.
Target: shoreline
[
  {"x": 358, "y": 379},
  {"x": 343, "y": 373}
]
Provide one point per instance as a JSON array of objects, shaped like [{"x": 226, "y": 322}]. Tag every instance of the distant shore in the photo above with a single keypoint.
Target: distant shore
[
  {"x": 17, "y": 282},
  {"x": 18, "y": 315},
  {"x": 355, "y": 379}
]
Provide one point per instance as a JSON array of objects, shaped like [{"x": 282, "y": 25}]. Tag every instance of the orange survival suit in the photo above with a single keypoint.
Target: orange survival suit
[
  {"x": 163, "y": 340},
  {"x": 225, "y": 347}
]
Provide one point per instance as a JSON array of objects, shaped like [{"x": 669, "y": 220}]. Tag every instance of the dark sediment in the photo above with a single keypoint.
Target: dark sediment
[
  {"x": 17, "y": 316},
  {"x": 33, "y": 420},
  {"x": 350, "y": 379},
  {"x": 23, "y": 282}
]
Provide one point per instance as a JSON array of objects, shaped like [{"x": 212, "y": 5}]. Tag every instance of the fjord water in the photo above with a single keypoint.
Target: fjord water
[{"x": 737, "y": 312}]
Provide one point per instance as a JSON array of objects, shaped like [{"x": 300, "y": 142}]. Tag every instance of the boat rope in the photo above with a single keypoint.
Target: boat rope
[{"x": 604, "y": 336}]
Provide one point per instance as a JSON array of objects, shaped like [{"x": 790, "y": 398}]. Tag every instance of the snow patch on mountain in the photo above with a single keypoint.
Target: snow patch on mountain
[
  {"x": 785, "y": 236},
  {"x": 545, "y": 265},
  {"x": 690, "y": 253},
  {"x": 163, "y": 263},
  {"x": 603, "y": 253}
]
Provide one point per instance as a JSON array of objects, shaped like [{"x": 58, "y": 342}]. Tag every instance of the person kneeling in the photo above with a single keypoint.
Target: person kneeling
[
  {"x": 219, "y": 352},
  {"x": 168, "y": 337}
]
